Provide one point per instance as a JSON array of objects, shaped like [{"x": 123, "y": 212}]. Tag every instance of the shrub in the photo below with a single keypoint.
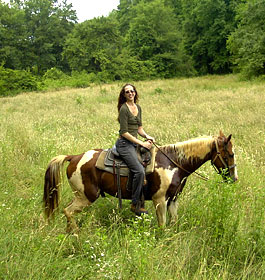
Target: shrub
[
  {"x": 14, "y": 81},
  {"x": 54, "y": 74},
  {"x": 135, "y": 69},
  {"x": 55, "y": 79}
]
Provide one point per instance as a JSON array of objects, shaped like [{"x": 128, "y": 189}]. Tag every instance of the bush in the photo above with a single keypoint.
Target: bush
[
  {"x": 55, "y": 79},
  {"x": 14, "y": 81},
  {"x": 81, "y": 79},
  {"x": 134, "y": 69},
  {"x": 54, "y": 74}
]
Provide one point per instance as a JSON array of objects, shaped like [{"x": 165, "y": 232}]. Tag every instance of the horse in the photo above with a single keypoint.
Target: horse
[{"x": 174, "y": 163}]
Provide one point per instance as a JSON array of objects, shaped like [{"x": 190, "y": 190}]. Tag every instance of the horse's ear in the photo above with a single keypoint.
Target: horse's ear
[
  {"x": 221, "y": 133},
  {"x": 228, "y": 138}
]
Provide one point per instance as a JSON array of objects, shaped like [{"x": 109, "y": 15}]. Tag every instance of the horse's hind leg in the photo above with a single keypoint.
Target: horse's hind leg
[{"x": 76, "y": 206}]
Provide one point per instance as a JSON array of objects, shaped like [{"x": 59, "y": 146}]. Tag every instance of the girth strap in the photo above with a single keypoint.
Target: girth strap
[{"x": 117, "y": 180}]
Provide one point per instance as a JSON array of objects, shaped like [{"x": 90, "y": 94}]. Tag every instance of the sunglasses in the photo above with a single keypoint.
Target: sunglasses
[{"x": 130, "y": 91}]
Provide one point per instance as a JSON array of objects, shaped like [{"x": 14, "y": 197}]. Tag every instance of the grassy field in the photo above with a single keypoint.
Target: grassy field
[{"x": 220, "y": 233}]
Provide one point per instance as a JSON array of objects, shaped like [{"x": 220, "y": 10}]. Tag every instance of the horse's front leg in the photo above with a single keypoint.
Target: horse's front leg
[
  {"x": 173, "y": 210},
  {"x": 161, "y": 210}
]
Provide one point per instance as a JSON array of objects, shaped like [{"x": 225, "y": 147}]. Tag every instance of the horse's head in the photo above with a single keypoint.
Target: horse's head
[{"x": 223, "y": 158}]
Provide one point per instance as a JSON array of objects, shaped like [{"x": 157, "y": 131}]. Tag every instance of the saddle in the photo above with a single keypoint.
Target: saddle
[
  {"x": 110, "y": 161},
  {"x": 110, "y": 158}
]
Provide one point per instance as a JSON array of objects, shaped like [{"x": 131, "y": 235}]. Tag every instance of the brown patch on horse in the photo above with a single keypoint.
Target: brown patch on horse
[
  {"x": 153, "y": 185},
  {"x": 82, "y": 173},
  {"x": 72, "y": 166}
]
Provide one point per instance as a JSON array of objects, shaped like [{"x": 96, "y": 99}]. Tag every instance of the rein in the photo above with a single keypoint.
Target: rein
[{"x": 179, "y": 166}]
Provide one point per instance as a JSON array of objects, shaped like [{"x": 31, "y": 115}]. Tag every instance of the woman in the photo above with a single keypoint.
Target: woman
[{"x": 130, "y": 119}]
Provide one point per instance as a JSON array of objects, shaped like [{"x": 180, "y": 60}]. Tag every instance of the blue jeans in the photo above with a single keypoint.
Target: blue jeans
[{"x": 127, "y": 151}]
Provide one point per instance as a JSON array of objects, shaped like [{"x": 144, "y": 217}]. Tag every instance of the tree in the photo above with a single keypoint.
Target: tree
[
  {"x": 247, "y": 42},
  {"x": 13, "y": 45},
  {"x": 155, "y": 35},
  {"x": 48, "y": 24},
  {"x": 93, "y": 45},
  {"x": 206, "y": 25},
  {"x": 124, "y": 15},
  {"x": 33, "y": 33}
]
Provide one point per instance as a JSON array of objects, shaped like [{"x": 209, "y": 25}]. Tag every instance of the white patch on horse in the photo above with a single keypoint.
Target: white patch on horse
[
  {"x": 159, "y": 198},
  {"x": 166, "y": 177},
  {"x": 235, "y": 169},
  {"x": 76, "y": 178}
]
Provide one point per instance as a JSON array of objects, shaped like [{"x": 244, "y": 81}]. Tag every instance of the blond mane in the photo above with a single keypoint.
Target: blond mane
[{"x": 191, "y": 149}]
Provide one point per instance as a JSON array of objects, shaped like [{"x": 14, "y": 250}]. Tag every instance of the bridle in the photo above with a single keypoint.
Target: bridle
[{"x": 218, "y": 155}]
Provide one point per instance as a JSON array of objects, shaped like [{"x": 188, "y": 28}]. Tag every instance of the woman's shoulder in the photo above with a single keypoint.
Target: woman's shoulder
[
  {"x": 139, "y": 107},
  {"x": 124, "y": 108}
]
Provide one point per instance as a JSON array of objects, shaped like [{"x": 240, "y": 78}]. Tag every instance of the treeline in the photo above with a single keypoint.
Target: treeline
[{"x": 43, "y": 45}]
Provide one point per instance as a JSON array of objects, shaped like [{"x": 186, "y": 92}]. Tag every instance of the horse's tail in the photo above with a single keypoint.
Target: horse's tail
[{"x": 52, "y": 182}]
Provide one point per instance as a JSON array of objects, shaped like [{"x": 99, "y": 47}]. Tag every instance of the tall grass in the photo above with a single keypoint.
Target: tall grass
[{"x": 220, "y": 229}]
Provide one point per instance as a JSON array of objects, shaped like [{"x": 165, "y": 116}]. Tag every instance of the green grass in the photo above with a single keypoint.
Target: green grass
[{"x": 220, "y": 230}]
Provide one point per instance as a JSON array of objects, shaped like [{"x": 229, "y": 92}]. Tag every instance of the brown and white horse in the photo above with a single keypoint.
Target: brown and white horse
[{"x": 173, "y": 164}]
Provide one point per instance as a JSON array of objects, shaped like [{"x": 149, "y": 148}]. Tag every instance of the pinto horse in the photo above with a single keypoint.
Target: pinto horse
[{"x": 173, "y": 164}]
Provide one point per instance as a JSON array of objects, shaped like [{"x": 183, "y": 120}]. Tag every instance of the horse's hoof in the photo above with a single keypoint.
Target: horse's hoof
[{"x": 72, "y": 230}]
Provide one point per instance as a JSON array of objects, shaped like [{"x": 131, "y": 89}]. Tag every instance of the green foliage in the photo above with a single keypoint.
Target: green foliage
[
  {"x": 54, "y": 74},
  {"x": 13, "y": 47},
  {"x": 158, "y": 91},
  {"x": 131, "y": 67},
  {"x": 156, "y": 38},
  {"x": 247, "y": 42},
  {"x": 33, "y": 33},
  {"x": 56, "y": 79},
  {"x": 142, "y": 39},
  {"x": 14, "y": 81},
  {"x": 93, "y": 45},
  {"x": 206, "y": 26}
]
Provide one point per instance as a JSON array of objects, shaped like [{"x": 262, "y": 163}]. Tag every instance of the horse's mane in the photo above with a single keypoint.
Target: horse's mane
[{"x": 190, "y": 149}]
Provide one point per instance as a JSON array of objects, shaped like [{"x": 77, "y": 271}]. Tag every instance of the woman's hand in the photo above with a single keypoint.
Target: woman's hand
[
  {"x": 150, "y": 138},
  {"x": 147, "y": 144}
]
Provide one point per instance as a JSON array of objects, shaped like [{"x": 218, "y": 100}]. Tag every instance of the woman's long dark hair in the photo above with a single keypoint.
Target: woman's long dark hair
[{"x": 122, "y": 99}]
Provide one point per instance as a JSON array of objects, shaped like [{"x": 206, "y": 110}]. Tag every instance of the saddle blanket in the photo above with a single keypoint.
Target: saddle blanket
[{"x": 106, "y": 159}]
